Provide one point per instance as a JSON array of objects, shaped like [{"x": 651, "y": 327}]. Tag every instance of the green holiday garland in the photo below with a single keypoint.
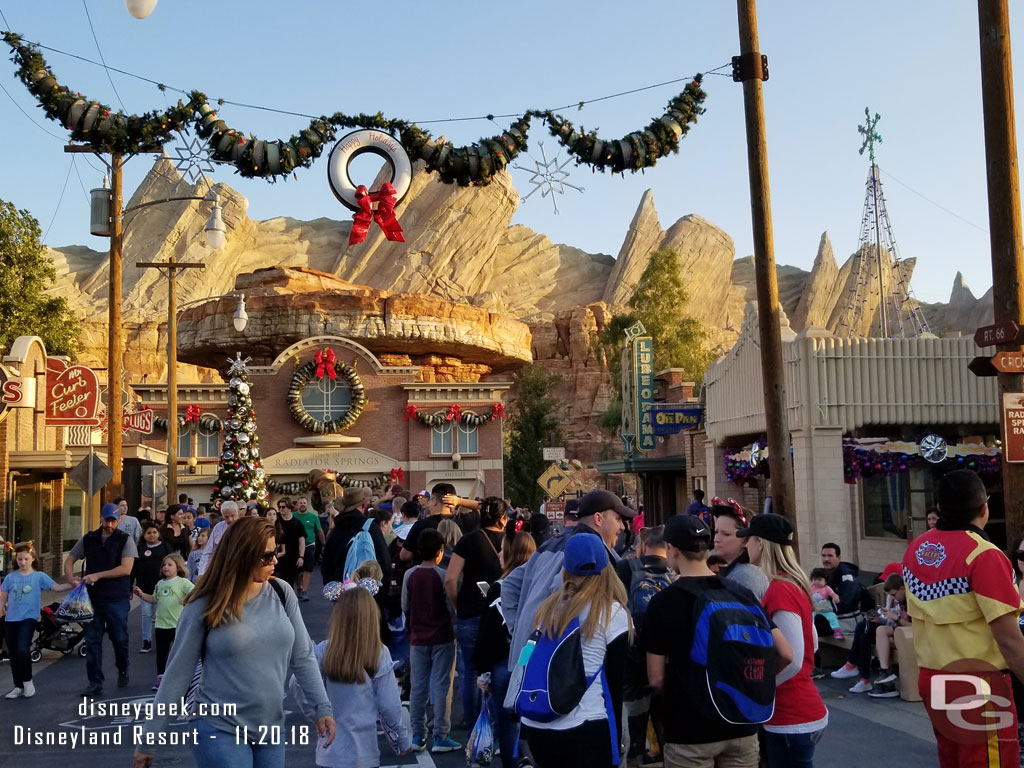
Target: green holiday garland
[{"x": 93, "y": 124}]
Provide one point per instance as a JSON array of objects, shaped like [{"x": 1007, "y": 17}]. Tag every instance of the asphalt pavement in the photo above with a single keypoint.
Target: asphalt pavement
[{"x": 885, "y": 732}]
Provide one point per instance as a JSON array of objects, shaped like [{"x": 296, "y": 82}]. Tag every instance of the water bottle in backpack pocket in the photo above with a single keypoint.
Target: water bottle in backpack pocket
[
  {"x": 360, "y": 549},
  {"x": 732, "y": 657}
]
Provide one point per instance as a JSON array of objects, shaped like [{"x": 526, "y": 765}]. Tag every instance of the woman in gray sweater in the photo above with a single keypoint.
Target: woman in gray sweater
[{"x": 236, "y": 621}]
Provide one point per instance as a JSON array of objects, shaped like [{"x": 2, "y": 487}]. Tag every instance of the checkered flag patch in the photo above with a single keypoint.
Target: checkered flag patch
[{"x": 925, "y": 592}]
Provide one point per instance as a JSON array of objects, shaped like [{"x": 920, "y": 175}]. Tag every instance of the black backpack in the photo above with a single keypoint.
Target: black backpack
[{"x": 731, "y": 662}]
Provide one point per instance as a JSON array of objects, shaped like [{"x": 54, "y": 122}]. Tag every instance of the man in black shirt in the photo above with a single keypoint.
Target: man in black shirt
[
  {"x": 442, "y": 504},
  {"x": 693, "y": 735}
]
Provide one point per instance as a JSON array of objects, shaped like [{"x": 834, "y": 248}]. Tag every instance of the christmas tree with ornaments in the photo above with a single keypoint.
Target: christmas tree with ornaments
[{"x": 240, "y": 473}]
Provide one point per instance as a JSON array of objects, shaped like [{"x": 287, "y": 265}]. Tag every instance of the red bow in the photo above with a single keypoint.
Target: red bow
[
  {"x": 454, "y": 413},
  {"x": 397, "y": 475},
  {"x": 325, "y": 364},
  {"x": 717, "y": 501},
  {"x": 192, "y": 413},
  {"x": 498, "y": 411},
  {"x": 410, "y": 412},
  {"x": 386, "y": 200}
]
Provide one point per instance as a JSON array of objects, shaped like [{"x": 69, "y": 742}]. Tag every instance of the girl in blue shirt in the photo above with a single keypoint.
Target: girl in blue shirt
[{"x": 20, "y": 597}]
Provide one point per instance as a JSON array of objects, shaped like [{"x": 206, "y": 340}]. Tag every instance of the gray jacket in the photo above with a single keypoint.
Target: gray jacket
[{"x": 532, "y": 583}]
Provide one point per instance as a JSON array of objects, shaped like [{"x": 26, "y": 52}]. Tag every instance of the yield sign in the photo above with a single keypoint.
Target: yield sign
[{"x": 554, "y": 481}]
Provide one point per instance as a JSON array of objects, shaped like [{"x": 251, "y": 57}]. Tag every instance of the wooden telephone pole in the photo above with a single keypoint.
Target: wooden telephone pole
[
  {"x": 751, "y": 68},
  {"x": 170, "y": 269},
  {"x": 1004, "y": 222}
]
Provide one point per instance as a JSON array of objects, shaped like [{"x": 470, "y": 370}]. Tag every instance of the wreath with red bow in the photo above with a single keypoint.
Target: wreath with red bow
[{"x": 325, "y": 364}]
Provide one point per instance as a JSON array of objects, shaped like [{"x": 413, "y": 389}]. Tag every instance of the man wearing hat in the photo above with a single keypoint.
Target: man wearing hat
[
  {"x": 600, "y": 513},
  {"x": 347, "y": 524},
  {"x": 109, "y": 555},
  {"x": 692, "y": 733}
]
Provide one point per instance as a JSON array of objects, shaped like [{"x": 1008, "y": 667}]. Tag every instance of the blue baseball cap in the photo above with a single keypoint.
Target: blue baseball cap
[
  {"x": 585, "y": 555},
  {"x": 110, "y": 511},
  {"x": 202, "y": 522}
]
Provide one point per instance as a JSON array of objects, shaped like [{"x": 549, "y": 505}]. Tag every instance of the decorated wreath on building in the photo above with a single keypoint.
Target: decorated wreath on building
[
  {"x": 454, "y": 414},
  {"x": 302, "y": 486},
  {"x": 325, "y": 365}
]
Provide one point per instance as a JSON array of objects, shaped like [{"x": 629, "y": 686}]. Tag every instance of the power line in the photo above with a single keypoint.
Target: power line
[
  {"x": 59, "y": 199},
  {"x": 941, "y": 207},
  {"x": 80, "y": 183},
  {"x": 100, "y": 52},
  {"x": 26, "y": 114}
]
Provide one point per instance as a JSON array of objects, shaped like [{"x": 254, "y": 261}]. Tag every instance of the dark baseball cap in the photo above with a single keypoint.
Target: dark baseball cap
[
  {"x": 686, "y": 532},
  {"x": 572, "y": 509},
  {"x": 770, "y": 527},
  {"x": 585, "y": 555},
  {"x": 601, "y": 501}
]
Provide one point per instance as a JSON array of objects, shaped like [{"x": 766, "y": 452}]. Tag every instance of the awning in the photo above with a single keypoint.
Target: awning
[{"x": 641, "y": 465}]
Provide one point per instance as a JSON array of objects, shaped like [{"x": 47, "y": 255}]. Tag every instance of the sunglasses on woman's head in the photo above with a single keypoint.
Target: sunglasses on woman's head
[
  {"x": 268, "y": 557},
  {"x": 1020, "y": 554}
]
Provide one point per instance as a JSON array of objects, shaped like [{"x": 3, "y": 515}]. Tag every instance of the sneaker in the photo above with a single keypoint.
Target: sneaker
[
  {"x": 15, "y": 693},
  {"x": 447, "y": 744},
  {"x": 30, "y": 689},
  {"x": 817, "y": 673},
  {"x": 886, "y": 691},
  {"x": 94, "y": 689},
  {"x": 122, "y": 679},
  {"x": 888, "y": 677},
  {"x": 845, "y": 671},
  {"x": 146, "y": 647},
  {"x": 862, "y": 686},
  {"x": 838, "y": 634},
  {"x": 301, "y": 594},
  {"x": 156, "y": 685},
  {"x": 419, "y": 743}
]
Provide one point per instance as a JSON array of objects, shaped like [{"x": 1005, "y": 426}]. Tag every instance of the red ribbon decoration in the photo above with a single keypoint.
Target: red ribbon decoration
[
  {"x": 394, "y": 475},
  {"x": 386, "y": 200},
  {"x": 192, "y": 413},
  {"x": 325, "y": 364},
  {"x": 454, "y": 413},
  {"x": 498, "y": 412},
  {"x": 397, "y": 475},
  {"x": 410, "y": 412}
]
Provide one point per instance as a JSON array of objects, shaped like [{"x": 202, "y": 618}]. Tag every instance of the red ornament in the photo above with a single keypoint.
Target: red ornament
[{"x": 410, "y": 412}]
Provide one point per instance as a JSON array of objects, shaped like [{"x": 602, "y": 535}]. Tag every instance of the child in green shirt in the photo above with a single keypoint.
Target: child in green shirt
[{"x": 169, "y": 597}]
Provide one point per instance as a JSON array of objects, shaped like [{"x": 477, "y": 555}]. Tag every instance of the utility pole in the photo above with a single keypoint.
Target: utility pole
[
  {"x": 751, "y": 68},
  {"x": 1003, "y": 215},
  {"x": 170, "y": 269}
]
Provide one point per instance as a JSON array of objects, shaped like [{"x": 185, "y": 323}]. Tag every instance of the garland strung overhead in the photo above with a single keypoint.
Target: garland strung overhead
[
  {"x": 868, "y": 459},
  {"x": 454, "y": 413},
  {"x": 93, "y": 123},
  {"x": 302, "y": 486},
  {"x": 206, "y": 423}
]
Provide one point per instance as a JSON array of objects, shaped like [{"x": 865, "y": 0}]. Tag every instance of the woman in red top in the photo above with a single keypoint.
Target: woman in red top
[{"x": 800, "y": 714}]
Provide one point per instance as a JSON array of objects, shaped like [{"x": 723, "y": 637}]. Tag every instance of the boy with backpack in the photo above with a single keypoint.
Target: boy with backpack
[
  {"x": 429, "y": 617},
  {"x": 717, "y": 684},
  {"x": 644, "y": 576}
]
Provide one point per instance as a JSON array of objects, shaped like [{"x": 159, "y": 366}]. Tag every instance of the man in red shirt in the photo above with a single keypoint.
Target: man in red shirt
[{"x": 964, "y": 604}]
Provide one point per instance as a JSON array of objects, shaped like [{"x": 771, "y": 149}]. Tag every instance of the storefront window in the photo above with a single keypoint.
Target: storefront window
[
  {"x": 885, "y": 506},
  {"x": 327, "y": 399},
  {"x": 441, "y": 439},
  {"x": 32, "y": 515},
  {"x": 74, "y": 517}
]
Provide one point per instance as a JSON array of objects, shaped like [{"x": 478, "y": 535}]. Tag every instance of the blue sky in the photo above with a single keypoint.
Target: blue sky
[{"x": 915, "y": 63}]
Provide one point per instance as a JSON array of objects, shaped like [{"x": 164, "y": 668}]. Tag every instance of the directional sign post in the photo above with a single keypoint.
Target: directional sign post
[
  {"x": 554, "y": 481},
  {"x": 1001, "y": 333},
  {"x": 1008, "y": 362}
]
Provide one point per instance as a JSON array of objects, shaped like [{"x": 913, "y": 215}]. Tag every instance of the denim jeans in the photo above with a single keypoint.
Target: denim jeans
[
  {"x": 790, "y": 750},
  {"x": 219, "y": 749},
  {"x": 112, "y": 618},
  {"x": 466, "y": 631},
  {"x": 148, "y": 611},
  {"x": 860, "y": 650},
  {"x": 19, "y": 643},
  {"x": 506, "y": 727},
  {"x": 431, "y": 668}
]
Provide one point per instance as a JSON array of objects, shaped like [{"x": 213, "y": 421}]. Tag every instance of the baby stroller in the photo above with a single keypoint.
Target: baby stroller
[{"x": 56, "y": 635}]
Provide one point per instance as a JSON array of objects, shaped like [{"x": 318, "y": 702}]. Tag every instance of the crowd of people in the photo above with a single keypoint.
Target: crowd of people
[{"x": 604, "y": 643}]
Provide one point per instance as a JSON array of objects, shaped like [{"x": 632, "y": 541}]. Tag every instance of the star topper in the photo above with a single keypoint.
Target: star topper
[
  {"x": 238, "y": 366},
  {"x": 870, "y": 134},
  {"x": 548, "y": 177},
  {"x": 193, "y": 159}
]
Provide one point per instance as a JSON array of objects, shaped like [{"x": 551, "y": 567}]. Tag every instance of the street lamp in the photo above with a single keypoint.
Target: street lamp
[
  {"x": 140, "y": 9},
  {"x": 241, "y": 317},
  {"x": 215, "y": 230}
]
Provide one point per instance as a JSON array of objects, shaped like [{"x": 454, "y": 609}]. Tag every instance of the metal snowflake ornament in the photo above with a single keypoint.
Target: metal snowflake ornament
[
  {"x": 548, "y": 177},
  {"x": 193, "y": 159},
  {"x": 238, "y": 366}
]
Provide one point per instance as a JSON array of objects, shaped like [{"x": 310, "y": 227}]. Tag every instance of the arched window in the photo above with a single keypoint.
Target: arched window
[
  {"x": 441, "y": 439},
  {"x": 185, "y": 441},
  {"x": 327, "y": 399},
  {"x": 209, "y": 442},
  {"x": 469, "y": 439}
]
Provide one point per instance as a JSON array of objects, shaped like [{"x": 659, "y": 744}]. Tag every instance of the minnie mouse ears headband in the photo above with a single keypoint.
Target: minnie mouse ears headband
[
  {"x": 333, "y": 589},
  {"x": 717, "y": 501}
]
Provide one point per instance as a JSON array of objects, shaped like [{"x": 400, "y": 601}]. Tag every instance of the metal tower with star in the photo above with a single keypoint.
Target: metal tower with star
[{"x": 882, "y": 304}]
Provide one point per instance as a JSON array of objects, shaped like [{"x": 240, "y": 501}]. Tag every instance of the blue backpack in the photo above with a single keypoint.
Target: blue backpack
[
  {"x": 732, "y": 656},
  {"x": 360, "y": 549},
  {"x": 554, "y": 679}
]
